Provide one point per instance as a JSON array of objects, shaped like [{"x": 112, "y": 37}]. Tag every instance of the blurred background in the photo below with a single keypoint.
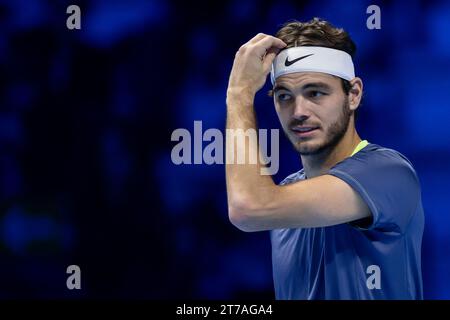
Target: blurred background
[{"x": 86, "y": 118}]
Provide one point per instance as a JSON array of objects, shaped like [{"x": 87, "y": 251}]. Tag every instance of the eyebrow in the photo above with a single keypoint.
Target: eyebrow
[{"x": 319, "y": 85}]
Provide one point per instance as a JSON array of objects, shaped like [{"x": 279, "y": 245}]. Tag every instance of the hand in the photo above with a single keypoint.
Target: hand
[{"x": 252, "y": 63}]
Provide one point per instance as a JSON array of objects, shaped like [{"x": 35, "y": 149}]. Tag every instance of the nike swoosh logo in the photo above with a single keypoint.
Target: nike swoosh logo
[{"x": 287, "y": 63}]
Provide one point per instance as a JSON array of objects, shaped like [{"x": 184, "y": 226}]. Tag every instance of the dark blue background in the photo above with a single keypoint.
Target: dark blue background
[{"x": 86, "y": 118}]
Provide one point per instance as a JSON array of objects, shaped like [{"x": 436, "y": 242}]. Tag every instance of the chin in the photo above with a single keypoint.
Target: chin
[{"x": 308, "y": 147}]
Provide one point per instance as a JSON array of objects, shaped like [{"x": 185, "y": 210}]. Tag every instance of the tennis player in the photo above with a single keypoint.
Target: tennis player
[{"x": 349, "y": 224}]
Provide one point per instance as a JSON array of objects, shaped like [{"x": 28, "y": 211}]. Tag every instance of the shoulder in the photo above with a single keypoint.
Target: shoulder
[
  {"x": 379, "y": 172},
  {"x": 386, "y": 180},
  {"x": 375, "y": 160},
  {"x": 390, "y": 155}
]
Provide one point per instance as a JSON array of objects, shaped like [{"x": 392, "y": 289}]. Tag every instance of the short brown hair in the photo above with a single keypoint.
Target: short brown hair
[
  {"x": 320, "y": 33},
  {"x": 316, "y": 32}
]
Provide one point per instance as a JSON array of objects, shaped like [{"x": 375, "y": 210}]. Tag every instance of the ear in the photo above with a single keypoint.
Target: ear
[{"x": 355, "y": 93}]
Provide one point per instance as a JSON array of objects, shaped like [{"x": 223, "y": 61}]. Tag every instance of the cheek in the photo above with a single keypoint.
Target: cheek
[
  {"x": 283, "y": 116},
  {"x": 328, "y": 115},
  {"x": 278, "y": 111}
]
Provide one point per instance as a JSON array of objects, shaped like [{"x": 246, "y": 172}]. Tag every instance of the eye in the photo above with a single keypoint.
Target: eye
[
  {"x": 315, "y": 94},
  {"x": 283, "y": 97}
]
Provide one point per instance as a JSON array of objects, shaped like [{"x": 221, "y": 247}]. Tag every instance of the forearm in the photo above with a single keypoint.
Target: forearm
[{"x": 248, "y": 190}]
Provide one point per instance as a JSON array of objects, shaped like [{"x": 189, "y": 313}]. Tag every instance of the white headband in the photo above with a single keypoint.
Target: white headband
[{"x": 313, "y": 59}]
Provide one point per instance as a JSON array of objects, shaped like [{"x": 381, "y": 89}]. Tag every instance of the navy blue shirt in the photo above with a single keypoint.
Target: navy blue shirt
[{"x": 380, "y": 259}]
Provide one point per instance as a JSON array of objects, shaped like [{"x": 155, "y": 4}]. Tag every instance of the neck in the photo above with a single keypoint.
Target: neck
[{"x": 318, "y": 164}]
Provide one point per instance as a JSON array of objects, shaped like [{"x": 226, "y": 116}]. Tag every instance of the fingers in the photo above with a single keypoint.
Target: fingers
[
  {"x": 269, "y": 57},
  {"x": 262, "y": 43},
  {"x": 269, "y": 41},
  {"x": 253, "y": 61},
  {"x": 256, "y": 38}
]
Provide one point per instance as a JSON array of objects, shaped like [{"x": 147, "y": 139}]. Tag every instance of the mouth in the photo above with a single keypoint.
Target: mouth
[{"x": 304, "y": 131}]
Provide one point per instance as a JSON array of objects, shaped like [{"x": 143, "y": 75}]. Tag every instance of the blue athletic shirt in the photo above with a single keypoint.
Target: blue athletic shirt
[{"x": 376, "y": 259}]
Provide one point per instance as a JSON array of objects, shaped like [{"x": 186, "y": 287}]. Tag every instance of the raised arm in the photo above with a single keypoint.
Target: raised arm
[{"x": 255, "y": 203}]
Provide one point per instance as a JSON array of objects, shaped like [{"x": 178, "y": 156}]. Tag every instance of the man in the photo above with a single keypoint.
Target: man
[{"x": 348, "y": 225}]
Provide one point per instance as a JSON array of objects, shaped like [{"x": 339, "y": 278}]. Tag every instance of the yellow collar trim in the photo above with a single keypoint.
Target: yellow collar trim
[{"x": 360, "y": 145}]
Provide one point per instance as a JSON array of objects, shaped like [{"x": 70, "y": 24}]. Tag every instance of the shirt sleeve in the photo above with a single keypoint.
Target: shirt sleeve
[{"x": 388, "y": 184}]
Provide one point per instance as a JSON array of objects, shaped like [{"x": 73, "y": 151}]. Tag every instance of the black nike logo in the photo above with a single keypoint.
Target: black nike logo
[{"x": 287, "y": 63}]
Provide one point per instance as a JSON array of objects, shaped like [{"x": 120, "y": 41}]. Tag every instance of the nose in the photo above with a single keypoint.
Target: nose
[{"x": 301, "y": 112}]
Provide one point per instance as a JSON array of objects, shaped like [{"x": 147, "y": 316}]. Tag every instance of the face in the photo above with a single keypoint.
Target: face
[{"x": 313, "y": 110}]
